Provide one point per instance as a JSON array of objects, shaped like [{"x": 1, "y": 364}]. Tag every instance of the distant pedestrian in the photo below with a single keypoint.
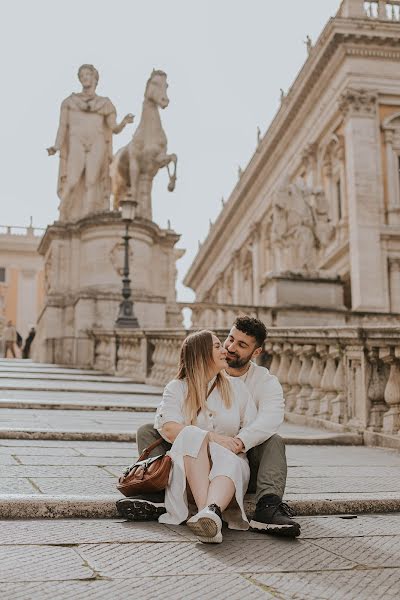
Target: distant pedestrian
[
  {"x": 26, "y": 351},
  {"x": 10, "y": 339}
]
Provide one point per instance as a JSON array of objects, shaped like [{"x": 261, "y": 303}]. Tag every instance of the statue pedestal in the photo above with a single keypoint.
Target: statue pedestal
[
  {"x": 307, "y": 294},
  {"x": 83, "y": 283}
]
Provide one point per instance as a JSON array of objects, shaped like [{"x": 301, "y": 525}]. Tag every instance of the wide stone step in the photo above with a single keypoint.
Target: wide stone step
[
  {"x": 94, "y": 507},
  {"x": 56, "y": 479}
]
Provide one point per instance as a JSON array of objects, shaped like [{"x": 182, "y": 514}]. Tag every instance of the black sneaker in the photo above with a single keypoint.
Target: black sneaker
[
  {"x": 142, "y": 508},
  {"x": 273, "y": 516}
]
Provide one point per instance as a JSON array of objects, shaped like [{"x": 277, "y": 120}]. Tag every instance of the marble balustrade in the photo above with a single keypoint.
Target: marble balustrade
[{"x": 349, "y": 376}]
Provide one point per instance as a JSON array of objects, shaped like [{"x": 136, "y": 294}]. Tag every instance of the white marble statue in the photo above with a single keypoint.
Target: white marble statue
[
  {"x": 135, "y": 165},
  {"x": 84, "y": 140}
]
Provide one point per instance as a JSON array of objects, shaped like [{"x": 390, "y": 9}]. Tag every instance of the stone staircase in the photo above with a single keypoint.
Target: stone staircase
[{"x": 67, "y": 434}]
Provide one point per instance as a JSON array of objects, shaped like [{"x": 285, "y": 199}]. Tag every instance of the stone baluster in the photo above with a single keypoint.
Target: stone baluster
[
  {"x": 317, "y": 370},
  {"x": 293, "y": 380},
  {"x": 391, "y": 418},
  {"x": 328, "y": 386},
  {"x": 131, "y": 358},
  {"x": 104, "y": 354},
  {"x": 376, "y": 390},
  {"x": 276, "y": 359},
  {"x": 339, "y": 402},
  {"x": 303, "y": 397},
  {"x": 284, "y": 365}
]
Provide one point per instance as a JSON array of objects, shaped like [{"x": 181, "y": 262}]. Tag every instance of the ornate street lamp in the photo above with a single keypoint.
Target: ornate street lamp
[{"x": 126, "y": 316}]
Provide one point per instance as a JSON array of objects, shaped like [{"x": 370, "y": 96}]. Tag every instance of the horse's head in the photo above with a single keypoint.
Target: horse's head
[{"x": 156, "y": 89}]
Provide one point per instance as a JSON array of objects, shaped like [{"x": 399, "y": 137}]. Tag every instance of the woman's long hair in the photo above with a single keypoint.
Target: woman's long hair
[{"x": 195, "y": 365}]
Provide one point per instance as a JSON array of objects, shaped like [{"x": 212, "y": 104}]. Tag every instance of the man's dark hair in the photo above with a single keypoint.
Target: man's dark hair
[{"x": 253, "y": 327}]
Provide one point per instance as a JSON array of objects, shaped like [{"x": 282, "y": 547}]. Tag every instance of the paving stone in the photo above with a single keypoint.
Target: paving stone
[
  {"x": 258, "y": 555},
  {"x": 76, "y": 460},
  {"x": 77, "y": 486},
  {"x": 363, "y": 471},
  {"x": 342, "y": 526},
  {"x": 376, "y": 584},
  {"x": 126, "y": 452},
  {"x": 52, "y": 471},
  {"x": 341, "y": 456},
  {"x": 77, "y": 444},
  {"x": 197, "y": 587},
  {"x": 21, "y": 451},
  {"x": 366, "y": 551},
  {"x": 12, "y": 485},
  {"x": 7, "y": 459},
  {"x": 342, "y": 484},
  {"x": 41, "y": 563},
  {"x": 84, "y": 531}
]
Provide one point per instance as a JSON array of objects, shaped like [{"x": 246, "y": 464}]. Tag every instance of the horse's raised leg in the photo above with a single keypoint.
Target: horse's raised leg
[
  {"x": 164, "y": 160},
  {"x": 173, "y": 177}
]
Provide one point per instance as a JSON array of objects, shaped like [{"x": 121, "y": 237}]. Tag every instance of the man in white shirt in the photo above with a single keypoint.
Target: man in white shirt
[{"x": 267, "y": 460}]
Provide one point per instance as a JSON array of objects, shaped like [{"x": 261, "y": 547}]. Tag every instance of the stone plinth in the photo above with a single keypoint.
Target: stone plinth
[
  {"x": 83, "y": 281},
  {"x": 303, "y": 290}
]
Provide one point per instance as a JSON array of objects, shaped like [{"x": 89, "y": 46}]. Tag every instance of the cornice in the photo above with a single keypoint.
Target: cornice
[
  {"x": 363, "y": 37},
  {"x": 59, "y": 230}
]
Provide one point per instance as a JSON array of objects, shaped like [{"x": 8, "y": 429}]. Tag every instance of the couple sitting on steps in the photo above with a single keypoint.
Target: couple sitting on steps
[{"x": 219, "y": 419}]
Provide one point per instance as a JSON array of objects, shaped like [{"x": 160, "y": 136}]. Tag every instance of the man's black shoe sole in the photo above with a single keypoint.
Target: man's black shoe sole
[
  {"x": 288, "y": 531},
  {"x": 139, "y": 510}
]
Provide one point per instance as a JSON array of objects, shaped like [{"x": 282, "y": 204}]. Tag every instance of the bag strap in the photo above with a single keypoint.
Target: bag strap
[
  {"x": 212, "y": 388},
  {"x": 147, "y": 450},
  {"x": 209, "y": 393}
]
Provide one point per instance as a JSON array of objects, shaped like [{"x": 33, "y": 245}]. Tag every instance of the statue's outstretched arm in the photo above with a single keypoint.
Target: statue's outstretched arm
[
  {"x": 61, "y": 133},
  {"x": 118, "y": 127}
]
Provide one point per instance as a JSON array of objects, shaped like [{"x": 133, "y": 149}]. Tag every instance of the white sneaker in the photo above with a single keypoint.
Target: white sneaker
[{"x": 207, "y": 525}]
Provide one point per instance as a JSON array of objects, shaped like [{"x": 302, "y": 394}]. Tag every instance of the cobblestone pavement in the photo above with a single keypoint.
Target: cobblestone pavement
[{"x": 335, "y": 559}]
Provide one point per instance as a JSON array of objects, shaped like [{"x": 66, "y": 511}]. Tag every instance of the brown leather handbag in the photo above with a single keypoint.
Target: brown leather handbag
[{"x": 147, "y": 475}]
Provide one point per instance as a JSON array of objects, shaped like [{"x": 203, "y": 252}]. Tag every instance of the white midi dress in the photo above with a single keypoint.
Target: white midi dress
[{"x": 216, "y": 418}]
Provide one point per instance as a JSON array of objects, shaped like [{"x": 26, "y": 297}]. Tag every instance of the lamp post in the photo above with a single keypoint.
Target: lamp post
[{"x": 126, "y": 316}]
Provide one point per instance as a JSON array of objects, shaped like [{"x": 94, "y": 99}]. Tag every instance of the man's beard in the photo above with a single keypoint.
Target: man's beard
[{"x": 236, "y": 362}]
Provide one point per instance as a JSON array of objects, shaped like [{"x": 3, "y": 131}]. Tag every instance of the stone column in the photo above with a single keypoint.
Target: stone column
[
  {"x": 394, "y": 284},
  {"x": 365, "y": 202}
]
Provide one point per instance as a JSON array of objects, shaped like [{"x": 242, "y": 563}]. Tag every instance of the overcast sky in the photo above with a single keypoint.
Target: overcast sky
[{"x": 226, "y": 61}]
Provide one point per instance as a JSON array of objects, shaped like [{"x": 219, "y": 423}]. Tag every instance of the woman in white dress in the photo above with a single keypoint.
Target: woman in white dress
[{"x": 201, "y": 413}]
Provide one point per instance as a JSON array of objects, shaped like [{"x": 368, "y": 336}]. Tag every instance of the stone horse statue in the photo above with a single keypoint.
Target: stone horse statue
[{"x": 134, "y": 166}]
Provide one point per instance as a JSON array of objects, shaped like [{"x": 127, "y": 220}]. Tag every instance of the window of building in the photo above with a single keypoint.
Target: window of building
[{"x": 2, "y": 274}]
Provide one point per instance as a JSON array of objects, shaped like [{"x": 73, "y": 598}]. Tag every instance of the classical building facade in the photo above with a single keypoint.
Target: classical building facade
[
  {"x": 21, "y": 277},
  {"x": 313, "y": 223}
]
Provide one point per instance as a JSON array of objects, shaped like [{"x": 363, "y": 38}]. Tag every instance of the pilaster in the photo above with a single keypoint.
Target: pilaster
[{"x": 365, "y": 200}]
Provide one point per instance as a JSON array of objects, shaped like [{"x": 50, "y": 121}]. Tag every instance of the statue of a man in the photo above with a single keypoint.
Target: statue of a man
[{"x": 84, "y": 140}]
